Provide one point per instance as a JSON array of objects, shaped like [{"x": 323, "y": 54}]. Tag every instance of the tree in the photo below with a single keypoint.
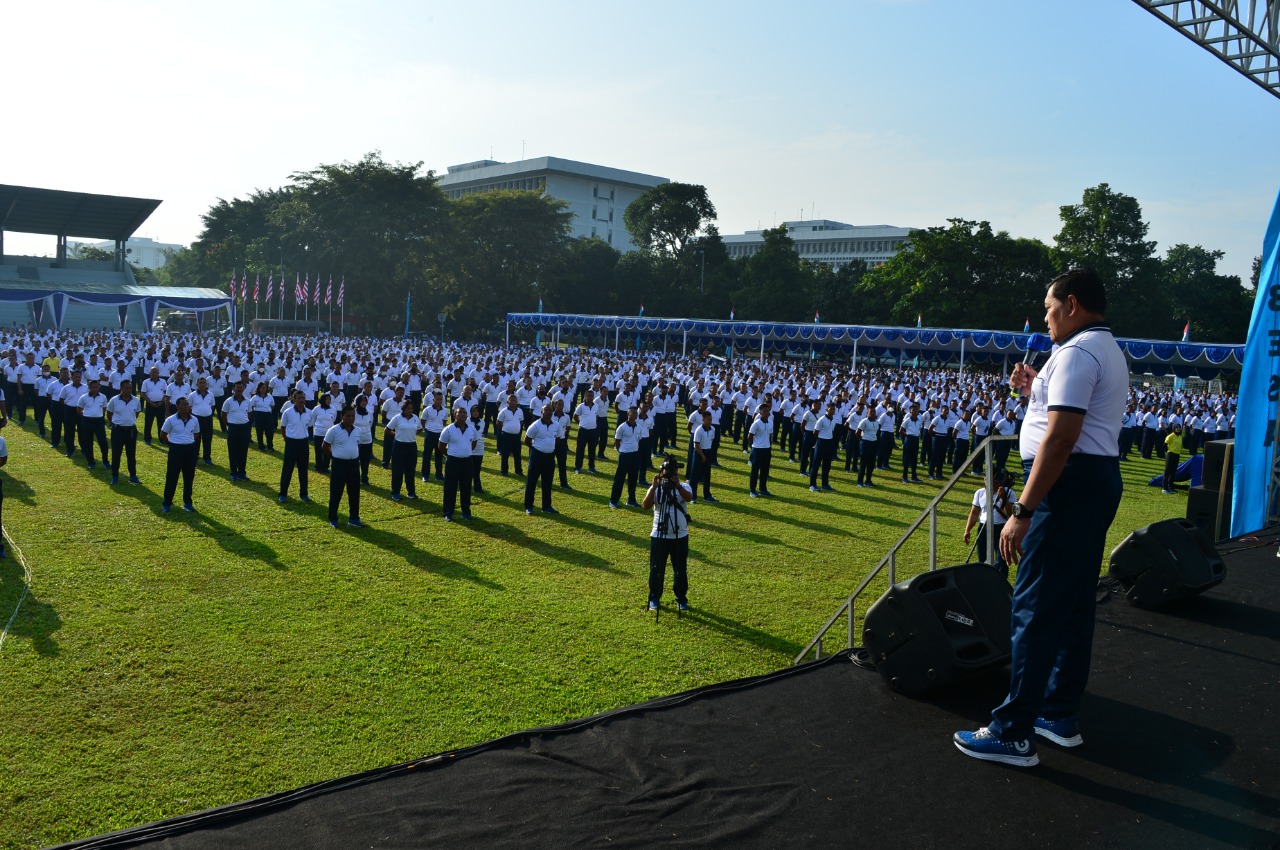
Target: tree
[
  {"x": 504, "y": 243},
  {"x": 773, "y": 283},
  {"x": 383, "y": 226},
  {"x": 1105, "y": 232},
  {"x": 666, "y": 217},
  {"x": 1216, "y": 306},
  {"x": 962, "y": 275}
]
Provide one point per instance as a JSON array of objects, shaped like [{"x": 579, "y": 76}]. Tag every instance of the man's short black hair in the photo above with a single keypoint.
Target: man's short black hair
[{"x": 1086, "y": 285}]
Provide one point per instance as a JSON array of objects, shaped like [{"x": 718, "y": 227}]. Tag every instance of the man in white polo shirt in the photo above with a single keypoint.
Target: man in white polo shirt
[
  {"x": 123, "y": 412},
  {"x": 342, "y": 445},
  {"x": 1070, "y": 448},
  {"x": 180, "y": 432},
  {"x": 541, "y": 440},
  {"x": 457, "y": 442},
  {"x": 92, "y": 415}
]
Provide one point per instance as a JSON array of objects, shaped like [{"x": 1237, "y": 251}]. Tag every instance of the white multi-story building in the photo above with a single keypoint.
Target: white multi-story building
[
  {"x": 597, "y": 195},
  {"x": 832, "y": 242},
  {"x": 142, "y": 251}
]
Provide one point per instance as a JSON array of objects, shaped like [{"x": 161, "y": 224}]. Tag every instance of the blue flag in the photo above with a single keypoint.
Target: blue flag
[{"x": 1256, "y": 419}]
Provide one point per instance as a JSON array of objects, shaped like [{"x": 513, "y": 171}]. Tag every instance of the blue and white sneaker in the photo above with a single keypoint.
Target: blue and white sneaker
[
  {"x": 1064, "y": 733},
  {"x": 986, "y": 745}
]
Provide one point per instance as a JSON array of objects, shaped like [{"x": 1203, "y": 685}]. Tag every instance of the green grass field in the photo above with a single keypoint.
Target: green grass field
[{"x": 165, "y": 663}]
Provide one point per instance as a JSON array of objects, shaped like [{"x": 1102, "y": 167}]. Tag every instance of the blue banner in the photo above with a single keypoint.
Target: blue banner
[{"x": 1254, "y": 498}]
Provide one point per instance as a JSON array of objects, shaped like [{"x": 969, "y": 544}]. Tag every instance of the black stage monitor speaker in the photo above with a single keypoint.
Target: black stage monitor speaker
[
  {"x": 1165, "y": 561},
  {"x": 1219, "y": 458},
  {"x": 1210, "y": 510},
  {"x": 939, "y": 627}
]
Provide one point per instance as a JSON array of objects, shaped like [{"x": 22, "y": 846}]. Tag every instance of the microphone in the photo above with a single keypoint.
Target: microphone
[{"x": 1036, "y": 343}]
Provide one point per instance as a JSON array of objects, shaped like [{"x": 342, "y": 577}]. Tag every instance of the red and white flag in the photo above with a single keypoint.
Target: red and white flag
[
  {"x": 328, "y": 291},
  {"x": 342, "y": 289}
]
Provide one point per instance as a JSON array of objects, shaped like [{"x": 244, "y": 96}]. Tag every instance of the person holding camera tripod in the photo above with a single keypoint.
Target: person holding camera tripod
[
  {"x": 1003, "y": 496},
  {"x": 669, "y": 538}
]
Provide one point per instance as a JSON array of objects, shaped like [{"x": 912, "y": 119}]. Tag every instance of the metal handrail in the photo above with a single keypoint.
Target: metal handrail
[{"x": 890, "y": 560}]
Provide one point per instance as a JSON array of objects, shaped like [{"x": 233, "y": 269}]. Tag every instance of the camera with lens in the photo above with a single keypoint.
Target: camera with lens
[{"x": 670, "y": 470}]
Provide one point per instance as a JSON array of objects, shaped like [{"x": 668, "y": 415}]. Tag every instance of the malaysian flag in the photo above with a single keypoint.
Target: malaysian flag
[
  {"x": 297, "y": 289},
  {"x": 232, "y": 286},
  {"x": 306, "y": 288},
  {"x": 315, "y": 293},
  {"x": 342, "y": 289},
  {"x": 256, "y": 280},
  {"x": 271, "y": 286},
  {"x": 244, "y": 285},
  {"x": 328, "y": 291}
]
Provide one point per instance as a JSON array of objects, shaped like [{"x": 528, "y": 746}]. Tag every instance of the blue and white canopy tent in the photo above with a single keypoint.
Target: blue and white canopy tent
[
  {"x": 49, "y": 302},
  {"x": 1157, "y": 357}
]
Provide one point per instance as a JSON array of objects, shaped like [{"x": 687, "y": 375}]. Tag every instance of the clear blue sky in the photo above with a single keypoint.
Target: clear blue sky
[{"x": 905, "y": 112}]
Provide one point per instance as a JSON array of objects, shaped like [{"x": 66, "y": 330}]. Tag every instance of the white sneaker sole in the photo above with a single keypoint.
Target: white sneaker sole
[
  {"x": 1017, "y": 761},
  {"x": 1074, "y": 741}
]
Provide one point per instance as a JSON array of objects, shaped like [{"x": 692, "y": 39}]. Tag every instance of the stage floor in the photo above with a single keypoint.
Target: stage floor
[{"x": 1182, "y": 750}]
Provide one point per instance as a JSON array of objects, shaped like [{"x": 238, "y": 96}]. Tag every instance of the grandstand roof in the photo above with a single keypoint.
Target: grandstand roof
[{"x": 56, "y": 213}]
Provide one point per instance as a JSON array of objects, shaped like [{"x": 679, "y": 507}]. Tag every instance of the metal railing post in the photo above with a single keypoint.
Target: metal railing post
[{"x": 933, "y": 537}]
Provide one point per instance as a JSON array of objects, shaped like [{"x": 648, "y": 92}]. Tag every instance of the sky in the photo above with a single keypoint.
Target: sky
[{"x": 901, "y": 112}]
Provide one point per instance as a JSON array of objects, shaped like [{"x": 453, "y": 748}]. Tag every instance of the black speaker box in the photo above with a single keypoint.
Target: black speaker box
[
  {"x": 940, "y": 627},
  {"x": 1210, "y": 511},
  {"x": 1165, "y": 561},
  {"x": 1219, "y": 457}
]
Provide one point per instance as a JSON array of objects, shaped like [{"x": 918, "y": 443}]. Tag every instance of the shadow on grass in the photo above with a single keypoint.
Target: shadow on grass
[
  {"x": 391, "y": 542},
  {"x": 700, "y": 522},
  {"x": 574, "y": 557},
  {"x": 35, "y": 620},
  {"x": 739, "y": 631},
  {"x": 15, "y": 488},
  {"x": 811, "y": 526},
  {"x": 226, "y": 537}
]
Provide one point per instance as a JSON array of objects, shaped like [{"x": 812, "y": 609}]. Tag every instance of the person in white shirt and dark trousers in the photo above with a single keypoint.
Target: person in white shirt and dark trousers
[
  {"x": 626, "y": 440},
  {"x": 295, "y": 425},
  {"x": 203, "y": 404},
  {"x": 669, "y": 537},
  {"x": 701, "y": 442},
  {"x": 180, "y": 432},
  {"x": 92, "y": 414},
  {"x": 585, "y": 416},
  {"x": 435, "y": 418},
  {"x": 480, "y": 424},
  {"x": 456, "y": 443},
  {"x": 824, "y": 450},
  {"x": 403, "y": 430},
  {"x": 323, "y": 417},
  {"x": 761, "y": 435},
  {"x": 123, "y": 412},
  {"x": 541, "y": 440},
  {"x": 236, "y": 411},
  {"x": 342, "y": 445}
]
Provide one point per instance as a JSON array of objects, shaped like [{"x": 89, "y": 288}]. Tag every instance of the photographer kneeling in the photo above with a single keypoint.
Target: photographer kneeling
[{"x": 667, "y": 496}]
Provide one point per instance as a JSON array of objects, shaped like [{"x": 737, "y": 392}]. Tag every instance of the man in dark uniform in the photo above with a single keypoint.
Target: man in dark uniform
[{"x": 1070, "y": 447}]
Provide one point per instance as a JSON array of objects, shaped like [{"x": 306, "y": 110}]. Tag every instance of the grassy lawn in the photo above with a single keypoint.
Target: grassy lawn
[{"x": 165, "y": 663}]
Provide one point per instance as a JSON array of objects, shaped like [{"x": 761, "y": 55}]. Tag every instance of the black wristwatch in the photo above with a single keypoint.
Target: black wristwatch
[{"x": 1021, "y": 511}]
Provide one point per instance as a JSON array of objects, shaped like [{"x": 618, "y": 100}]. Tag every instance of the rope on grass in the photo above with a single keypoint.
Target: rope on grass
[{"x": 26, "y": 587}]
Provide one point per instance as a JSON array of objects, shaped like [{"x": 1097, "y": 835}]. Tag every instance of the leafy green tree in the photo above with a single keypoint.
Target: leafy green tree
[
  {"x": 962, "y": 275},
  {"x": 666, "y": 217},
  {"x": 773, "y": 283},
  {"x": 1217, "y": 306},
  {"x": 503, "y": 244},
  {"x": 583, "y": 279},
  {"x": 383, "y": 226},
  {"x": 1106, "y": 232}
]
